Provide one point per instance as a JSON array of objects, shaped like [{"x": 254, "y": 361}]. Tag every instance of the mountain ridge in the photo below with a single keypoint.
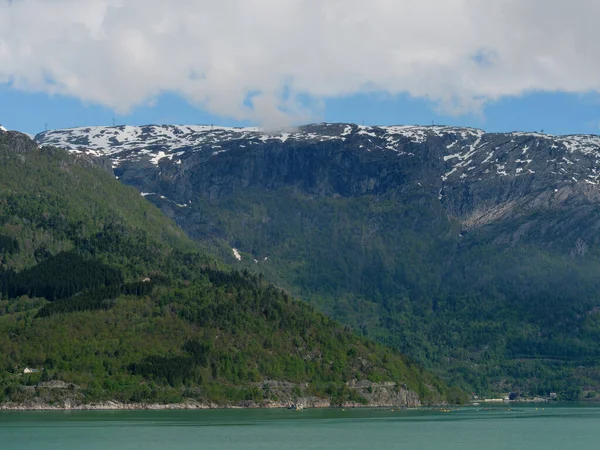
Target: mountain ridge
[
  {"x": 458, "y": 156},
  {"x": 151, "y": 142}
]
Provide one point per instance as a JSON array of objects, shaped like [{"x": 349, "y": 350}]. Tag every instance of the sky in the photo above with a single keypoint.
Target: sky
[{"x": 500, "y": 65}]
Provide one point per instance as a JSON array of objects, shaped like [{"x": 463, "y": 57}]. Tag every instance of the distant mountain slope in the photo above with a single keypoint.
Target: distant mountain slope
[
  {"x": 478, "y": 178},
  {"x": 475, "y": 253},
  {"x": 456, "y": 153},
  {"x": 104, "y": 298}
]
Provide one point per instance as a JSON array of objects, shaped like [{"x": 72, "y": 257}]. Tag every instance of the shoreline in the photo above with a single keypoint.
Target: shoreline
[
  {"x": 382, "y": 395},
  {"x": 186, "y": 406},
  {"x": 193, "y": 405}
]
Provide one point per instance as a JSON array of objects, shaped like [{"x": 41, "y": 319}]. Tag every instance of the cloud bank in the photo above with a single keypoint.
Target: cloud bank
[{"x": 275, "y": 61}]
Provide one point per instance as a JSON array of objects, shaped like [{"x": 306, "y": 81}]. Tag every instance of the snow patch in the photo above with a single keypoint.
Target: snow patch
[
  {"x": 567, "y": 161},
  {"x": 236, "y": 254},
  {"x": 447, "y": 174},
  {"x": 489, "y": 158},
  {"x": 448, "y": 157},
  {"x": 157, "y": 158},
  {"x": 347, "y": 131},
  {"x": 363, "y": 131}
]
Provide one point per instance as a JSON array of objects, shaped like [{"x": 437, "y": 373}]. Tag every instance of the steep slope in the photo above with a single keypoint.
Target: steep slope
[
  {"x": 106, "y": 299},
  {"x": 475, "y": 253}
]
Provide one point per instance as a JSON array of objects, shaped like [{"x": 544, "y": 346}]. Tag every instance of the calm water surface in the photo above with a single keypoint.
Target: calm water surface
[{"x": 518, "y": 427}]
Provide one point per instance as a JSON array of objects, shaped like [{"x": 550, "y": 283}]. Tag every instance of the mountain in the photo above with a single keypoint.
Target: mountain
[
  {"x": 105, "y": 299},
  {"x": 474, "y": 253}
]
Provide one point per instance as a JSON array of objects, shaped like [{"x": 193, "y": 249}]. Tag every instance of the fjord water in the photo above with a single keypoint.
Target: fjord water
[{"x": 502, "y": 427}]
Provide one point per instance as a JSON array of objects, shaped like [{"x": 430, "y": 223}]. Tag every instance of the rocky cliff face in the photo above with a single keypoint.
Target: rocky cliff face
[{"x": 477, "y": 177}]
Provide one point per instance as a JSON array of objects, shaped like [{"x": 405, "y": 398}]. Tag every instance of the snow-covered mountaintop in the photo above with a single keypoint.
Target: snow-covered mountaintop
[
  {"x": 462, "y": 152},
  {"x": 155, "y": 142},
  {"x": 2, "y": 128},
  {"x": 113, "y": 140},
  {"x": 110, "y": 140}
]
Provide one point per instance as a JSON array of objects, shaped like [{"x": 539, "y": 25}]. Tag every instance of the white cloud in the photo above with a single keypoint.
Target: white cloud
[{"x": 255, "y": 59}]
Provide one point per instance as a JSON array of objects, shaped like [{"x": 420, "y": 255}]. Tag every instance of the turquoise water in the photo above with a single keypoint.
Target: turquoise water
[{"x": 529, "y": 427}]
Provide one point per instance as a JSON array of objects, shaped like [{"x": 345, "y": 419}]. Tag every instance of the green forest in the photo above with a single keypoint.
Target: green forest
[
  {"x": 100, "y": 291},
  {"x": 490, "y": 317}
]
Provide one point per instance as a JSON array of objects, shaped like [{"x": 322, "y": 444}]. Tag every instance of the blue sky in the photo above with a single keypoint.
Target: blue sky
[
  {"x": 501, "y": 66},
  {"x": 555, "y": 113}
]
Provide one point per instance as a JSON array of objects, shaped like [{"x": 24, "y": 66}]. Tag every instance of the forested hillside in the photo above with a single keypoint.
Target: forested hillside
[
  {"x": 493, "y": 316},
  {"x": 474, "y": 253},
  {"x": 104, "y": 298}
]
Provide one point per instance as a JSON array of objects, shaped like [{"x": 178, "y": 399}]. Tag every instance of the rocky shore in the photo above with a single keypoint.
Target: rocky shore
[
  {"x": 376, "y": 396},
  {"x": 187, "y": 405}
]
